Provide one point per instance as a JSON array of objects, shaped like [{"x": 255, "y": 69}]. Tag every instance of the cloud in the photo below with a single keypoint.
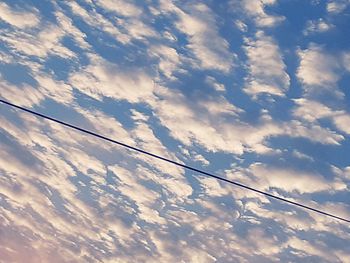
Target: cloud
[
  {"x": 336, "y": 7},
  {"x": 132, "y": 189},
  {"x": 103, "y": 79},
  {"x": 126, "y": 29},
  {"x": 313, "y": 111},
  {"x": 97, "y": 21},
  {"x": 5, "y": 58},
  {"x": 98, "y": 202},
  {"x": 346, "y": 60},
  {"x": 301, "y": 155},
  {"x": 192, "y": 123},
  {"x": 267, "y": 71},
  {"x": 45, "y": 42},
  {"x": 67, "y": 197},
  {"x": 289, "y": 180},
  {"x": 20, "y": 19},
  {"x": 256, "y": 10},
  {"x": 313, "y": 132},
  {"x": 54, "y": 89},
  {"x": 124, "y": 8},
  {"x": 24, "y": 95},
  {"x": 46, "y": 88},
  {"x": 318, "y": 70},
  {"x": 317, "y": 26},
  {"x": 70, "y": 29},
  {"x": 342, "y": 122},
  {"x": 169, "y": 59},
  {"x": 198, "y": 23},
  {"x": 341, "y": 172},
  {"x": 173, "y": 109},
  {"x": 146, "y": 139},
  {"x": 241, "y": 26},
  {"x": 200, "y": 158},
  {"x": 306, "y": 248},
  {"x": 216, "y": 85}
]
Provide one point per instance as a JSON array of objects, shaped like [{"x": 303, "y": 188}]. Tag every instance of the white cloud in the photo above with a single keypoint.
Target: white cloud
[
  {"x": 67, "y": 26},
  {"x": 256, "y": 10},
  {"x": 147, "y": 140},
  {"x": 318, "y": 70},
  {"x": 24, "y": 95},
  {"x": 125, "y": 217},
  {"x": 313, "y": 132},
  {"x": 173, "y": 109},
  {"x": 198, "y": 23},
  {"x": 342, "y": 172},
  {"x": 193, "y": 155},
  {"x": 307, "y": 249},
  {"x": 169, "y": 59},
  {"x": 342, "y": 121},
  {"x": 312, "y": 111},
  {"x": 138, "y": 116},
  {"x": 20, "y": 19},
  {"x": 124, "y": 29},
  {"x": 215, "y": 84},
  {"x": 346, "y": 60},
  {"x": 103, "y": 79},
  {"x": 132, "y": 189},
  {"x": 137, "y": 29},
  {"x": 5, "y": 58},
  {"x": 290, "y": 180},
  {"x": 96, "y": 20},
  {"x": 99, "y": 202},
  {"x": 241, "y": 25},
  {"x": 219, "y": 120},
  {"x": 29, "y": 96},
  {"x": 301, "y": 155},
  {"x": 317, "y": 26},
  {"x": 41, "y": 44},
  {"x": 122, "y": 7},
  {"x": 200, "y": 158},
  {"x": 337, "y": 6},
  {"x": 267, "y": 71}
]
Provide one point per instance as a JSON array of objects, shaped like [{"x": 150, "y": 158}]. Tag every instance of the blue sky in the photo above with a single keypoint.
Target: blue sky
[{"x": 255, "y": 91}]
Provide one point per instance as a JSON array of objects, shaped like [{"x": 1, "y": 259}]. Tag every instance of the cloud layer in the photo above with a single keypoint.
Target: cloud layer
[{"x": 215, "y": 86}]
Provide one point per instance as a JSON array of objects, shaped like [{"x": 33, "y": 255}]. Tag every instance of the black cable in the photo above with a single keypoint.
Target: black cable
[{"x": 175, "y": 163}]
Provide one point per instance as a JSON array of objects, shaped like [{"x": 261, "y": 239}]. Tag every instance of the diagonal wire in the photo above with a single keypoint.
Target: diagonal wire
[{"x": 175, "y": 163}]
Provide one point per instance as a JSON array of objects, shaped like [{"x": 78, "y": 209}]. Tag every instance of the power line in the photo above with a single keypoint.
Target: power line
[{"x": 173, "y": 162}]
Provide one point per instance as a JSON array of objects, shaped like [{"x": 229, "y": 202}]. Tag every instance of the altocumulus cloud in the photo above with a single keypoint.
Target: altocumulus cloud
[{"x": 202, "y": 83}]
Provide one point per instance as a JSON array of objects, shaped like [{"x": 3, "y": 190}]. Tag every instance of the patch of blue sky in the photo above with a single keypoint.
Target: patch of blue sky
[
  {"x": 120, "y": 110},
  {"x": 46, "y": 8},
  {"x": 13, "y": 116},
  {"x": 64, "y": 113},
  {"x": 17, "y": 74},
  {"x": 13, "y": 147},
  {"x": 297, "y": 13},
  {"x": 324, "y": 153},
  {"x": 60, "y": 68},
  {"x": 344, "y": 87}
]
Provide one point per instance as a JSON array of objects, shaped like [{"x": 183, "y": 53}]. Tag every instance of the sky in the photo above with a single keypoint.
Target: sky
[{"x": 255, "y": 91}]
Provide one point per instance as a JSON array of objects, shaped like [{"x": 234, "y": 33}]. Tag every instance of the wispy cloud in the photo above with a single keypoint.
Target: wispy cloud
[
  {"x": 318, "y": 71},
  {"x": 267, "y": 71},
  {"x": 19, "y": 18},
  {"x": 255, "y": 9},
  {"x": 198, "y": 23},
  {"x": 317, "y": 26}
]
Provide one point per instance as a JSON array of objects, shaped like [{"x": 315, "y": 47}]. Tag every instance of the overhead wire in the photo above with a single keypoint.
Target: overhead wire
[{"x": 306, "y": 207}]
